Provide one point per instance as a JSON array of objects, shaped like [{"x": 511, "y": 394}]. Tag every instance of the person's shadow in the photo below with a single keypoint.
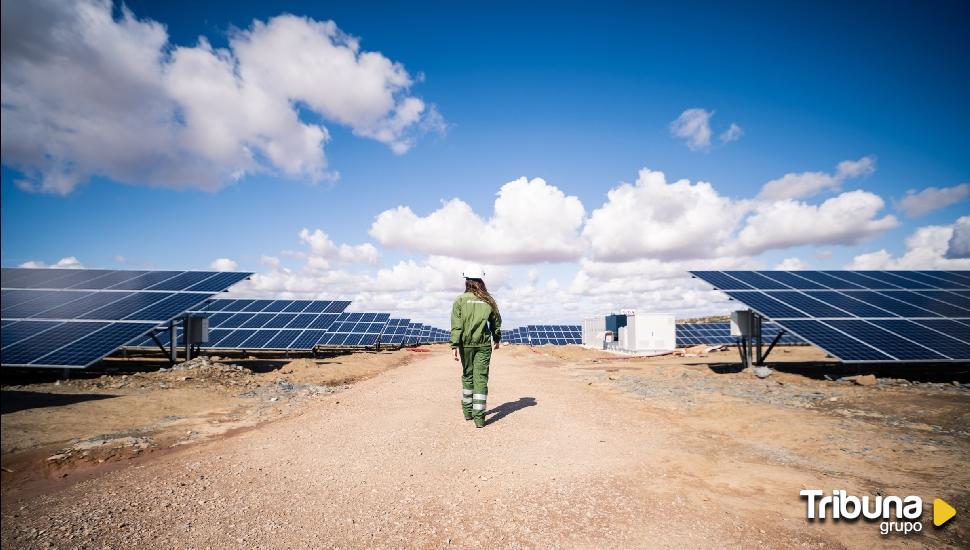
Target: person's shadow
[{"x": 505, "y": 409}]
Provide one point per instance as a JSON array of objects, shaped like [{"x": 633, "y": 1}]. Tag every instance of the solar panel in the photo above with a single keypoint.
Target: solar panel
[
  {"x": 355, "y": 330},
  {"x": 719, "y": 334},
  {"x": 252, "y": 324},
  {"x": 71, "y": 318},
  {"x": 862, "y": 316},
  {"x": 395, "y": 332},
  {"x": 538, "y": 335}
]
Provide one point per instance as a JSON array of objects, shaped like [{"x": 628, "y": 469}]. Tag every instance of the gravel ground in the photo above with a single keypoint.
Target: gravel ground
[{"x": 567, "y": 460}]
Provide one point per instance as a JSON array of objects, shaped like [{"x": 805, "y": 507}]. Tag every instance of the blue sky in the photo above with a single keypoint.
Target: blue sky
[{"x": 581, "y": 95}]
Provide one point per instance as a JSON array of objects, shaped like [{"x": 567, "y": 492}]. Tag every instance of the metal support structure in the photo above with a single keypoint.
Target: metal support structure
[
  {"x": 162, "y": 347},
  {"x": 185, "y": 334},
  {"x": 750, "y": 343},
  {"x": 173, "y": 352},
  {"x": 756, "y": 355},
  {"x": 761, "y": 360}
]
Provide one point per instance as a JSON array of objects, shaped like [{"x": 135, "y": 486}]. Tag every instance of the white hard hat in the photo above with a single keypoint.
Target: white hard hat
[{"x": 473, "y": 272}]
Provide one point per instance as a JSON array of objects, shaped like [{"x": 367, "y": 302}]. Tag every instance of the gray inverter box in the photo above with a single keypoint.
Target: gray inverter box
[{"x": 197, "y": 329}]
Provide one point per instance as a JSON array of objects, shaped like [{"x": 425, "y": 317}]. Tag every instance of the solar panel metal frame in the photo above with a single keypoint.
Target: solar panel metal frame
[{"x": 894, "y": 305}]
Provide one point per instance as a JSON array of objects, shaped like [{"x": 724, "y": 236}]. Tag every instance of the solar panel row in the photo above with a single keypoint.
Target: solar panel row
[
  {"x": 518, "y": 335},
  {"x": 70, "y": 318},
  {"x": 836, "y": 280},
  {"x": 208, "y": 282},
  {"x": 277, "y": 306},
  {"x": 538, "y": 335},
  {"x": 286, "y": 331},
  {"x": 355, "y": 329},
  {"x": 719, "y": 334},
  {"x": 862, "y": 316},
  {"x": 395, "y": 332},
  {"x": 104, "y": 305}
]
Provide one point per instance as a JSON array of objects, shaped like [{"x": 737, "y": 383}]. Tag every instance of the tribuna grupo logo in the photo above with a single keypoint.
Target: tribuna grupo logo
[{"x": 896, "y": 514}]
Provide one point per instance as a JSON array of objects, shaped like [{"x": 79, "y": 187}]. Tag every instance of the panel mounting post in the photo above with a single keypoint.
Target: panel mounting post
[
  {"x": 173, "y": 352},
  {"x": 185, "y": 334},
  {"x": 756, "y": 333}
]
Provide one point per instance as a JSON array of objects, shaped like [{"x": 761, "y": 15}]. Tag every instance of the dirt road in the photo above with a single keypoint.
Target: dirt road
[{"x": 571, "y": 457}]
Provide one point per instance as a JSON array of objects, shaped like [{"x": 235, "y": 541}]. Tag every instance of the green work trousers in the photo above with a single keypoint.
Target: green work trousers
[{"x": 474, "y": 381}]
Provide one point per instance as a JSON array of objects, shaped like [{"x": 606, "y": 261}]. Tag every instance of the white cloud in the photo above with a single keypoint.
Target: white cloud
[
  {"x": 733, "y": 133},
  {"x": 926, "y": 248},
  {"x": 959, "y": 245},
  {"x": 120, "y": 259},
  {"x": 846, "y": 219},
  {"x": 224, "y": 264},
  {"x": 919, "y": 203},
  {"x": 70, "y": 262},
  {"x": 823, "y": 254},
  {"x": 602, "y": 279},
  {"x": 791, "y": 264},
  {"x": 807, "y": 184},
  {"x": 648, "y": 285},
  {"x": 656, "y": 219},
  {"x": 85, "y": 94},
  {"x": 422, "y": 290},
  {"x": 633, "y": 251},
  {"x": 271, "y": 262},
  {"x": 323, "y": 251},
  {"x": 532, "y": 222},
  {"x": 694, "y": 127}
]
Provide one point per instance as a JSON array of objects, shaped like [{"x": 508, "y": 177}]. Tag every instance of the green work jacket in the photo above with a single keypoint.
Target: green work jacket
[{"x": 473, "y": 323}]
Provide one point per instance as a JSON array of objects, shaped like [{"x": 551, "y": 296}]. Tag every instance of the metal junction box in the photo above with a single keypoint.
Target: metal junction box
[
  {"x": 743, "y": 323},
  {"x": 197, "y": 329}
]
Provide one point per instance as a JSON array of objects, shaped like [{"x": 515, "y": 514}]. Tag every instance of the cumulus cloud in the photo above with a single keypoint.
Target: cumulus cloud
[
  {"x": 87, "y": 94},
  {"x": 70, "y": 262},
  {"x": 807, "y": 184},
  {"x": 733, "y": 133},
  {"x": 224, "y": 264},
  {"x": 791, "y": 264},
  {"x": 271, "y": 262},
  {"x": 919, "y": 203},
  {"x": 633, "y": 251},
  {"x": 656, "y": 219},
  {"x": 846, "y": 219},
  {"x": 532, "y": 222},
  {"x": 927, "y": 248},
  {"x": 959, "y": 245},
  {"x": 323, "y": 251},
  {"x": 422, "y": 290}
]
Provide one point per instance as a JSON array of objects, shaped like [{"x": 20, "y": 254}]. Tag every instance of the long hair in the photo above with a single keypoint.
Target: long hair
[{"x": 477, "y": 287}]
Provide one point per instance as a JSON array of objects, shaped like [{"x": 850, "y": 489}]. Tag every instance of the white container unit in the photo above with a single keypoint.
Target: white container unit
[
  {"x": 649, "y": 332},
  {"x": 593, "y": 331}
]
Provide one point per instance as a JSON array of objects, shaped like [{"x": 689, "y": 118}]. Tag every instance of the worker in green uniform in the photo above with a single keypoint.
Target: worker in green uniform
[{"x": 476, "y": 329}]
